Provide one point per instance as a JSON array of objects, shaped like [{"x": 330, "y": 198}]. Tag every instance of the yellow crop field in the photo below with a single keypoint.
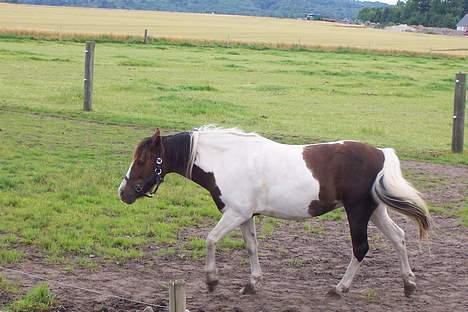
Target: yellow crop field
[{"x": 222, "y": 27}]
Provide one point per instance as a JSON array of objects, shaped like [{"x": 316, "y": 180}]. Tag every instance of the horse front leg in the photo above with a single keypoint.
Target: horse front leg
[
  {"x": 229, "y": 221},
  {"x": 250, "y": 238}
]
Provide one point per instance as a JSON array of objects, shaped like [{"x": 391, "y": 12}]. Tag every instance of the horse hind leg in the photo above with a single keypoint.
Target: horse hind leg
[
  {"x": 358, "y": 218},
  {"x": 250, "y": 238},
  {"x": 396, "y": 235}
]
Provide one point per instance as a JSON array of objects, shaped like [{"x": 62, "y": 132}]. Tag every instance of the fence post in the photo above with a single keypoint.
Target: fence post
[
  {"x": 459, "y": 113},
  {"x": 88, "y": 76},
  {"x": 145, "y": 41},
  {"x": 177, "y": 296}
]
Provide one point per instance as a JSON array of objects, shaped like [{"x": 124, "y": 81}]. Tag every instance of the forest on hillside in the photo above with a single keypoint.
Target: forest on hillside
[
  {"x": 279, "y": 8},
  {"x": 433, "y": 13}
]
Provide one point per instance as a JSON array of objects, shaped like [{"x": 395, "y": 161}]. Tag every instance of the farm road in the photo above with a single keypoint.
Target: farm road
[{"x": 300, "y": 265}]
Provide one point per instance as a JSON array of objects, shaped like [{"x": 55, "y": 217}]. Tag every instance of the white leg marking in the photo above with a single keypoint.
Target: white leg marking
[
  {"x": 229, "y": 221},
  {"x": 396, "y": 235},
  {"x": 250, "y": 238},
  {"x": 345, "y": 283}
]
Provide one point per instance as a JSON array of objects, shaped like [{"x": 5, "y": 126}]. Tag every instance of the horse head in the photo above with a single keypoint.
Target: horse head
[{"x": 145, "y": 173}]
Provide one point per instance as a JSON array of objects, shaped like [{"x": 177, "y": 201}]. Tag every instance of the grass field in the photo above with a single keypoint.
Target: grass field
[
  {"x": 58, "y": 191},
  {"x": 223, "y": 28},
  {"x": 61, "y": 167},
  {"x": 297, "y": 97}
]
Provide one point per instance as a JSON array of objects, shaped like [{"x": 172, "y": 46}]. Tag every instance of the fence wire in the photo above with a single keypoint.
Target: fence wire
[{"x": 66, "y": 285}]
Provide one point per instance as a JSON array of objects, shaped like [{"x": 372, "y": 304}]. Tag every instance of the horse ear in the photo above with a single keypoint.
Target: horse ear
[{"x": 156, "y": 136}]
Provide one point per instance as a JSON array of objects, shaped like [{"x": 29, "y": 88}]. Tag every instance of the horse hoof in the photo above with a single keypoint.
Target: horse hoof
[
  {"x": 212, "y": 285},
  {"x": 410, "y": 288},
  {"x": 248, "y": 289},
  {"x": 333, "y": 293}
]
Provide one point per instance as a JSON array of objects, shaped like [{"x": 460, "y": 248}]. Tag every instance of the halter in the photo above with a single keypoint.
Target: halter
[{"x": 151, "y": 183}]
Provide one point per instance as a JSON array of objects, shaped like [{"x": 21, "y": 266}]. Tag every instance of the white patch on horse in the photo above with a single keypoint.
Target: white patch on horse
[
  {"x": 256, "y": 175},
  {"x": 396, "y": 235},
  {"x": 193, "y": 153},
  {"x": 334, "y": 142},
  {"x": 347, "y": 279},
  {"x": 124, "y": 182}
]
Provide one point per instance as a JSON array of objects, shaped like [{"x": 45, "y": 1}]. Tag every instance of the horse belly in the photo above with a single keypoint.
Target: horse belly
[
  {"x": 290, "y": 203},
  {"x": 289, "y": 190}
]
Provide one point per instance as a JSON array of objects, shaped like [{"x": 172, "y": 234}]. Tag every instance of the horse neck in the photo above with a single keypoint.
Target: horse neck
[{"x": 177, "y": 153}]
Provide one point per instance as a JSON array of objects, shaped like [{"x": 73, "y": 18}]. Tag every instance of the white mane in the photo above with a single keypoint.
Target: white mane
[{"x": 206, "y": 129}]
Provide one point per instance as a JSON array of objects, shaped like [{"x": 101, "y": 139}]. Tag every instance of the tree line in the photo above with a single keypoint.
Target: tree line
[
  {"x": 433, "y": 13},
  {"x": 280, "y": 8}
]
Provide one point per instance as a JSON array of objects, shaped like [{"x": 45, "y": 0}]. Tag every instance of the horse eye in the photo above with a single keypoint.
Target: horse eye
[{"x": 139, "y": 162}]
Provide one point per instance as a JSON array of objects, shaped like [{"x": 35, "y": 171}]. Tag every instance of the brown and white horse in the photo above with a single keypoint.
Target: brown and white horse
[{"x": 248, "y": 175}]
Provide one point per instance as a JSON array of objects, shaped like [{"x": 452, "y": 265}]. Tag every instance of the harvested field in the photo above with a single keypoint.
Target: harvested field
[{"x": 227, "y": 28}]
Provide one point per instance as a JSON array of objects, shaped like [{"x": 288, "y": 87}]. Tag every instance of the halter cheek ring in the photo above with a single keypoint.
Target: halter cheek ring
[{"x": 155, "y": 180}]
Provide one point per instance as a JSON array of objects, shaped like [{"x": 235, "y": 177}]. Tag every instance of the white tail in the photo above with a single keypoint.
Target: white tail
[{"x": 394, "y": 191}]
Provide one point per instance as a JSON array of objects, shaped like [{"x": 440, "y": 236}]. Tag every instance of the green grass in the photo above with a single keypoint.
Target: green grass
[
  {"x": 318, "y": 230},
  {"x": 8, "y": 286},
  {"x": 296, "y": 262},
  {"x": 292, "y": 96},
  {"x": 61, "y": 167},
  {"x": 37, "y": 299},
  {"x": 463, "y": 214},
  {"x": 58, "y": 191}
]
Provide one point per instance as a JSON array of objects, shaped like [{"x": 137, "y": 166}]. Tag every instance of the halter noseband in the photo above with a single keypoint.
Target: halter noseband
[{"x": 153, "y": 181}]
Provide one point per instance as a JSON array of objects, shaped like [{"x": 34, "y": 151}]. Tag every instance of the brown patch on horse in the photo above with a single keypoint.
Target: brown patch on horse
[
  {"x": 345, "y": 172},
  {"x": 208, "y": 181},
  {"x": 319, "y": 207}
]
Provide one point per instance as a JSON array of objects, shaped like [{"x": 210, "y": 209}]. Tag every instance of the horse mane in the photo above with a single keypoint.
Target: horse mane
[
  {"x": 206, "y": 129},
  {"x": 141, "y": 147},
  {"x": 180, "y": 143}
]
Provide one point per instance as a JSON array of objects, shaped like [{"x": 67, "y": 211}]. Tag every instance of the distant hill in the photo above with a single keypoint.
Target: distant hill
[{"x": 339, "y": 9}]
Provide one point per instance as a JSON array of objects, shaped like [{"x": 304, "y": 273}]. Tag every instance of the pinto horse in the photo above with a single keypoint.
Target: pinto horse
[{"x": 248, "y": 175}]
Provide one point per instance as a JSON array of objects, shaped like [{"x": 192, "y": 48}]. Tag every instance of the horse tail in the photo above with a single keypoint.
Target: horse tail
[{"x": 391, "y": 189}]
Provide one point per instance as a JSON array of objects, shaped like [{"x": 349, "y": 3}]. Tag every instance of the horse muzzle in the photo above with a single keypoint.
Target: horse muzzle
[{"x": 126, "y": 198}]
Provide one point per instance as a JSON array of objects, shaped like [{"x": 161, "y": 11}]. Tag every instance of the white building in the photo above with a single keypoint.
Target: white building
[{"x": 463, "y": 23}]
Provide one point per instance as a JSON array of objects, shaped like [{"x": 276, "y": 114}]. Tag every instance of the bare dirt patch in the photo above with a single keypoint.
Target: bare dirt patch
[{"x": 300, "y": 265}]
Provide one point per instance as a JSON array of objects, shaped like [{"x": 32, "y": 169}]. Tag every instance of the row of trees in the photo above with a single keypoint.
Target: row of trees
[
  {"x": 280, "y": 8},
  {"x": 435, "y": 13}
]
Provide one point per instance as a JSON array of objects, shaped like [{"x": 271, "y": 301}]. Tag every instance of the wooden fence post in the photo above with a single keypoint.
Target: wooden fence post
[
  {"x": 177, "y": 296},
  {"x": 459, "y": 113},
  {"x": 145, "y": 41},
  {"x": 88, "y": 76}
]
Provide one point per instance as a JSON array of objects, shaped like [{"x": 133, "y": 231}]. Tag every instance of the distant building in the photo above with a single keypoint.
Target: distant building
[
  {"x": 312, "y": 17},
  {"x": 463, "y": 24}
]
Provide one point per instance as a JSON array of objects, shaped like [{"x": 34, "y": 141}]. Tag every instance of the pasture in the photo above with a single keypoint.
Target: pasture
[
  {"x": 225, "y": 28},
  {"x": 61, "y": 217}
]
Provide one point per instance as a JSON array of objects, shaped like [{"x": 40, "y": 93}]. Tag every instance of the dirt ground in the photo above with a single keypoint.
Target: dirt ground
[{"x": 300, "y": 265}]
